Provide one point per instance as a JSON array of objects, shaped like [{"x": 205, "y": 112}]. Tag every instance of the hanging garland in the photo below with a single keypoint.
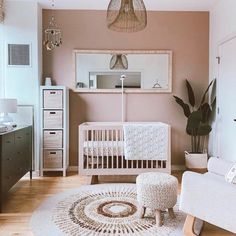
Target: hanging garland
[{"x": 1, "y": 11}]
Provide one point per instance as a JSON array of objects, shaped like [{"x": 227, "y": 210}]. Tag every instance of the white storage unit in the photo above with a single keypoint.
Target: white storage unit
[{"x": 54, "y": 128}]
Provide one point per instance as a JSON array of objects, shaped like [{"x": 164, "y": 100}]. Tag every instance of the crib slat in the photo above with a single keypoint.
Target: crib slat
[
  {"x": 97, "y": 141},
  {"x": 122, "y": 148},
  {"x": 107, "y": 140},
  {"x": 112, "y": 154},
  {"x": 87, "y": 149},
  {"x": 117, "y": 149},
  {"x": 92, "y": 144},
  {"x": 102, "y": 149}
]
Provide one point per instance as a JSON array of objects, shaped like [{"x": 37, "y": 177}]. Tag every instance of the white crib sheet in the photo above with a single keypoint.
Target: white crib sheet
[{"x": 103, "y": 148}]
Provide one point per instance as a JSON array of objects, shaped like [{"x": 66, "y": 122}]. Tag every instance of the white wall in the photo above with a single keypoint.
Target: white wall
[
  {"x": 1, "y": 61},
  {"x": 222, "y": 26},
  {"x": 23, "y": 24}
]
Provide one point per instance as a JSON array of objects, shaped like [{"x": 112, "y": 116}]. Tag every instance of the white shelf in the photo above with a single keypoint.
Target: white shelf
[
  {"x": 53, "y": 148},
  {"x": 54, "y": 169},
  {"x": 53, "y": 129},
  {"x": 58, "y": 96}
]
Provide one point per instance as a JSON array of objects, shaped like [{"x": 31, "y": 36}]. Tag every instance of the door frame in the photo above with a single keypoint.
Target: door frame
[{"x": 220, "y": 43}]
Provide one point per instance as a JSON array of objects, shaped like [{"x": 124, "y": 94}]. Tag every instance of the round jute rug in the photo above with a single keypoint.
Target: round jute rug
[{"x": 100, "y": 210}]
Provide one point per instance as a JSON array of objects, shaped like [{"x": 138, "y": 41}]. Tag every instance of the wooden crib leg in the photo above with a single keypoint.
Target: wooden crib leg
[{"x": 94, "y": 179}]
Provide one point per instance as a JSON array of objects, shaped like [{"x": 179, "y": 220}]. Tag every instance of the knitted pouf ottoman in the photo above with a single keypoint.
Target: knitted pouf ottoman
[{"x": 157, "y": 191}]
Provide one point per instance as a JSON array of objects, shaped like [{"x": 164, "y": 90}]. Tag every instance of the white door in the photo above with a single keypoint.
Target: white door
[{"x": 227, "y": 100}]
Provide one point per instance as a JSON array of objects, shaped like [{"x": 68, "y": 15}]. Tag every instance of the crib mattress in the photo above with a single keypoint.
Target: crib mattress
[{"x": 103, "y": 148}]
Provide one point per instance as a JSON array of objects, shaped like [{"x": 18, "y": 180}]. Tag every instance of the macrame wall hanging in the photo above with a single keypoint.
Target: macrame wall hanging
[
  {"x": 52, "y": 35},
  {"x": 1, "y": 11}
]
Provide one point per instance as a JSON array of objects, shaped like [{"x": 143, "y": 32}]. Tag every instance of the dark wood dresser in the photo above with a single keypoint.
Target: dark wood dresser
[{"x": 15, "y": 158}]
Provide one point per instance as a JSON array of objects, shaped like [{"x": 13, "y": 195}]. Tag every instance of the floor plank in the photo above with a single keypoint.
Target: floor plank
[{"x": 27, "y": 195}]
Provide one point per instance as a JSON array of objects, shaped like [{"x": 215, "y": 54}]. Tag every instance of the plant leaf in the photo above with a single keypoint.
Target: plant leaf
[
  {"x": 191, "y": 96},
  {"x": 204, "y": 129},
  {"x": 206, "y": 112},
  {"x": 194, "y": 120},
  {"x": 213, "y": 94},
  {"x": 185, "y": 106},
  {"x": 204, "y": 95}
]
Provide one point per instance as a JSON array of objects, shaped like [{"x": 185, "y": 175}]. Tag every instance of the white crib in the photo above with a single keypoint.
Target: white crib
[{"x": 101, "y": 152}]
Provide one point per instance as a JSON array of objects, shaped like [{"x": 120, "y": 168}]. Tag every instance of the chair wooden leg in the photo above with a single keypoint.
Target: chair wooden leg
[
  {"x": 143, "y": 210},
  {"x": 189, "y": 226},
  {"x": 159, "y": 218},
  {"x": 171, "y": 213}
]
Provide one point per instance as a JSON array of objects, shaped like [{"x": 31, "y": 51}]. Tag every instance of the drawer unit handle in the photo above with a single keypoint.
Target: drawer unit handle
[
  {"x": 19, "y": 137},
  {"x": 52, "y": 92},
  {"x": 8, "y": 141},
  {"x": 53, "y": 153},
  {"x": 52, "y": 132},
  {"x": 52, "y": 113},
  {"x": 8, "y": 159}
]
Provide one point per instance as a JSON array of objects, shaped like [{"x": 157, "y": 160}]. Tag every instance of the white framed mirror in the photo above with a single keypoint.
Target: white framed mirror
[{"x": 99, "y": 71}]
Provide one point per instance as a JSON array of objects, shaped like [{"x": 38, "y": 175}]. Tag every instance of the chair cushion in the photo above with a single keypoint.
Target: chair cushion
[
  {"x": 219, "y": 166},
  {"x": 231, "y": 175}
]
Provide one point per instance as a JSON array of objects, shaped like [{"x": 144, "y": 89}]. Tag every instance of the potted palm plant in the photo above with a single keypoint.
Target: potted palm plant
[{"x": 198, "y": 125}]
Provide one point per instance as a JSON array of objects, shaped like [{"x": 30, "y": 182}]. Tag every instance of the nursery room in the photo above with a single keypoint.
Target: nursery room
[{"x": 117, "y": 117}]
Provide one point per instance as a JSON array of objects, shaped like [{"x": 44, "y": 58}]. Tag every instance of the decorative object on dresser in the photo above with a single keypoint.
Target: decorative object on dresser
[
  {"x": 15, "y": 158},
  {"x": 198, "y": 125},
  {"x": 54, "y": 128},
  {"x": 7, "y": 105},
  {"x": 157, "y": 191},
  {"x": 101, "y": 151}
]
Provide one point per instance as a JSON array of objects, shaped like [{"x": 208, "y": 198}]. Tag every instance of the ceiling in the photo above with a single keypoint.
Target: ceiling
[{"x": 155, "y": 5}]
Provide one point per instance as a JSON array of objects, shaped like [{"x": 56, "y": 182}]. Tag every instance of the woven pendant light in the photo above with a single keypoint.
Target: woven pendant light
[
  {"x": 119, "y": 62},
  {"x": 126, "y": 15}
]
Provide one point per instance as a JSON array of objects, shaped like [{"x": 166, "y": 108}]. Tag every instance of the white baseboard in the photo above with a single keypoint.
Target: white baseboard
[{"x": 173, "y": 168}]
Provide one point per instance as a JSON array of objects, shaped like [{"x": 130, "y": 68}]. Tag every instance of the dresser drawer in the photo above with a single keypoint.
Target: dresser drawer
[
  {"x": 52, "y": 119},
  {"x": 8, "y": 142},
  {"x": 52, "y": 159},
  {"x": 53, "y": 99},
  {"x": 53, "y": 139}
]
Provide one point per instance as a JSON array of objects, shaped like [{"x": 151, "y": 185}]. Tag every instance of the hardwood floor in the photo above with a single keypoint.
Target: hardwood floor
[{"x": 27, "y": 195}]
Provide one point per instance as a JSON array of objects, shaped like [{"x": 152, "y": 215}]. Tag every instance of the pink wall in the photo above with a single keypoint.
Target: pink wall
[{"x": 185, "y": 33}]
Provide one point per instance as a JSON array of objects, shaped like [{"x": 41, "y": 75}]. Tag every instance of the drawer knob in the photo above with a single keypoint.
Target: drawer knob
[
  {"x": 52, "y": 92},
  {"x": 53, "y": 153},
  {"x": 52, "y": 132},
  {"x": 52, "y": 112}
]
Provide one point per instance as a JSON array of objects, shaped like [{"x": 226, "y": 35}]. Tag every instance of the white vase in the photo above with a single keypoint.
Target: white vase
[
  {"x": 196, "y": 160},
  {"x": 48, "y": 81}
]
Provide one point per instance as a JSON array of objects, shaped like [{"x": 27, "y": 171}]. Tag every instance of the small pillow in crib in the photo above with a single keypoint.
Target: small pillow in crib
[{"x": 231, "y": 175}]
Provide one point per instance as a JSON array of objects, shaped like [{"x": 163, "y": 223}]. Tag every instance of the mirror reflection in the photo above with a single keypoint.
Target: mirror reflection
[{"x": 144, "y": 71}]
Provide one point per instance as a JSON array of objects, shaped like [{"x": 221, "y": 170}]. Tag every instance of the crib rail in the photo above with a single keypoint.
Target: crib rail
[{"x": 101, "y": 152}]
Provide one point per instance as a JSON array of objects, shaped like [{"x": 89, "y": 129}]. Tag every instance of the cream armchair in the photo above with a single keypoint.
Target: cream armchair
[{"x": 209, "y": 197}]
